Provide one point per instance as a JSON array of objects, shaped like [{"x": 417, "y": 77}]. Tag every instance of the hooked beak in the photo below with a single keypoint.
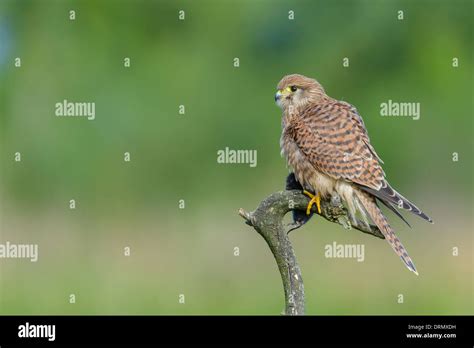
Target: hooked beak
[{"x": 278, "y": 96}]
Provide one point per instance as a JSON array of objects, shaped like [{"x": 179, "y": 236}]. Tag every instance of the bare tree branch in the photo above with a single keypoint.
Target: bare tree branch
[{"x": 267, "y": 220}]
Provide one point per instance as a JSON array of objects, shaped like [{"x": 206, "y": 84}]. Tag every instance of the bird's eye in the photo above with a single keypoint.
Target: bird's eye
[{"x": 293, "y": 88}]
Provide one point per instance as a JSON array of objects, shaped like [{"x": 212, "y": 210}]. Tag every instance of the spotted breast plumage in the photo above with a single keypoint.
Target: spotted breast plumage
[{"x": 327, "y": 146}]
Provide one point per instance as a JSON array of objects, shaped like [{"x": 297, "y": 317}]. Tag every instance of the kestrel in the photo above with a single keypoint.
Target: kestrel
[{"x": 326, "y": 145}]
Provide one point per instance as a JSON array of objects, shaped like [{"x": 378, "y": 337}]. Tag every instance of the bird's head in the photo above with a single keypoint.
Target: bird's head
[{"x": 298, "y": 91}]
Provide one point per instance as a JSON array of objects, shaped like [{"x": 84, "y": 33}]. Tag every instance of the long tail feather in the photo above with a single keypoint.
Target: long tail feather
[
  {"x": 395, "y": 211},
  {"x": 388, "y": 195},
  {"x": 380, "y": 220}
]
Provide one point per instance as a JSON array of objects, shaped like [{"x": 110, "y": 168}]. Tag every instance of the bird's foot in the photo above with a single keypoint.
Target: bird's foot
[{"x": 314, "y": 199}]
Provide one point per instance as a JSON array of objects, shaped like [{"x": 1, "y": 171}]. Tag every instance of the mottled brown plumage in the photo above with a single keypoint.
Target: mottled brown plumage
[{"x": 326, "y": 144}]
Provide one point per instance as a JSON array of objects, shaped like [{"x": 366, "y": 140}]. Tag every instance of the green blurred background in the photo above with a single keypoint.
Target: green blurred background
[{"x": 191, "y": 251}]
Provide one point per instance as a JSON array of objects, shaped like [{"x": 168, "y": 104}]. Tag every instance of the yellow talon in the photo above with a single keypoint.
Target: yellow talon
[{"x": 314, "y": 199}]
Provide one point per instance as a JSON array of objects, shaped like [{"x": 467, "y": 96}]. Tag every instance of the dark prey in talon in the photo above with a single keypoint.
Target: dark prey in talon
[{"x": 299, "y": 217}]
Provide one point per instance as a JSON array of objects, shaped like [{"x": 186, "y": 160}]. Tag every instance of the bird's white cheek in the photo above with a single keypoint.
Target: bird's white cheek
[{"x": 299, "y": 101}]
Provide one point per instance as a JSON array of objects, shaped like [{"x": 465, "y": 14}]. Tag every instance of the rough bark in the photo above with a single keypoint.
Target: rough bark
[{"x": 267, "y": 220}]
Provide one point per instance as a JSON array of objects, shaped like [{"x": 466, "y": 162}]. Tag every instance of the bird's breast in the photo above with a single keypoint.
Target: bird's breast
[{"x": 307, "y": 175}]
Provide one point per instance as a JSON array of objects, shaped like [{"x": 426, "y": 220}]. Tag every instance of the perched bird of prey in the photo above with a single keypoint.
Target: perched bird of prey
[{"x": 326, "y": 145}]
